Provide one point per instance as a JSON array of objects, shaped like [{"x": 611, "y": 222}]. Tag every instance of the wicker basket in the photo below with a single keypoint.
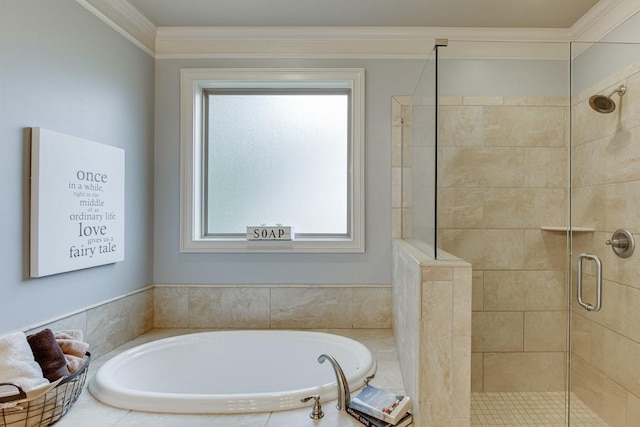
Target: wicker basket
[{"x": 46, "y": 409}]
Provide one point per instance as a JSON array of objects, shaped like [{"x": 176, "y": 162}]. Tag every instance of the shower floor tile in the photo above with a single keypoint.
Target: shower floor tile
[{"x": 529, "y": 409}]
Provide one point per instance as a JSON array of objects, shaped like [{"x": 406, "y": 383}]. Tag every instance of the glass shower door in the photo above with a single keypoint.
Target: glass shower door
[{"x": 605, "y": 197}]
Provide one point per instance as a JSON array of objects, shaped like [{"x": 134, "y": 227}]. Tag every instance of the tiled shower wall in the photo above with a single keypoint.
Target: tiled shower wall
[
  {"x": 503, "y": 176},
  {"x": 606, "y": 344}
]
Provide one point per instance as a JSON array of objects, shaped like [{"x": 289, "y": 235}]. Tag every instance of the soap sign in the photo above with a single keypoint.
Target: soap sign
[
  {"x": 77, "y": 203},
  {"x": 269, "y": 233}
]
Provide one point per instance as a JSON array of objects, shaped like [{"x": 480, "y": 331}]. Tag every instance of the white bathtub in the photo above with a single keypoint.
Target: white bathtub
[{"x": 230, "y": 372}]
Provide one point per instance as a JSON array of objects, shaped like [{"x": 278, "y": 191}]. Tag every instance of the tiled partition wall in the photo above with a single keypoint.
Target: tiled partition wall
[
  {"x": 503, "y": 165},
  {"x": 432, "y": 332},
  {"x": 606, "y": 163},
  {"x": 431, "y": 303}
]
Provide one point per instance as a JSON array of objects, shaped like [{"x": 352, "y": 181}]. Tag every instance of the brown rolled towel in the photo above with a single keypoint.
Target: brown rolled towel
[{"x": 48, "y": 354}]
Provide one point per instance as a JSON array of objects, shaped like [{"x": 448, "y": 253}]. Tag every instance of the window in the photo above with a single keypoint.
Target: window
[{"x": 272, "y": 147}]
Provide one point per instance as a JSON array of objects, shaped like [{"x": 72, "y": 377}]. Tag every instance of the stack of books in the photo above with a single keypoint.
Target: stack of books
[{"x": 374, "y": 407}]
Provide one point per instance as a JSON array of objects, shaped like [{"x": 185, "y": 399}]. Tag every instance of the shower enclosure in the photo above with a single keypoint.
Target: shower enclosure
[{"x": 507, "y": 165}]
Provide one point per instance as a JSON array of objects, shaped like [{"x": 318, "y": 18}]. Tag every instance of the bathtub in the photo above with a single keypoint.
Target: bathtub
[{"x": 230, "y": 372}]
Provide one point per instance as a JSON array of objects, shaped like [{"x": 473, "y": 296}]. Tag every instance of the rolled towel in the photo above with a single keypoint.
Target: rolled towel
[
  {"x": 69, "y": 334},
  {"x": 73, "y": 363},
  {"x": 17, "y": 364},
  {"x": 48, "y": 354},
  {"x": 73, "y": 347}
]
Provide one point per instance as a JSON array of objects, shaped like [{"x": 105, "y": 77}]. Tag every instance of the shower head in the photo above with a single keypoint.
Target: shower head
[{"x": 604, "y": 104}]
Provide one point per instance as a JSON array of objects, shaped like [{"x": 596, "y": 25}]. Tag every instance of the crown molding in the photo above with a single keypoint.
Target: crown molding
[
  {"x": 603, "y": 18},
  {"x": 126, "y": 20},
  {"x": 357, "y": 42}
]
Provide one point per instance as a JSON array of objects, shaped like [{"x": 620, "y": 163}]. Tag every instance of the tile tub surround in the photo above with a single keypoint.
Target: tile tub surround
[
  {"x": 110, "y": 324},
  {"x": 272, "y": 306},
  {"x": 88, "y": 411},
  {"x": 117, "y": 321},
  {"x": 432, "y": 330}
]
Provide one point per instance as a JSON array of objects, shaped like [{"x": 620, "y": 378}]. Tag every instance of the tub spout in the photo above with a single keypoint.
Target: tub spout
[{"x": 344, "y": 395}]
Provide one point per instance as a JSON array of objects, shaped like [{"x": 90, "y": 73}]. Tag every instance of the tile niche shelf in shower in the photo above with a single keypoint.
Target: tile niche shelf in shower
[{"x": 565, "y": 229}]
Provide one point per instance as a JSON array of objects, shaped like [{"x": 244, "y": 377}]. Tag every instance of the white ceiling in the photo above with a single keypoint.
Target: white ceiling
[{"x": 370, "y": 13}]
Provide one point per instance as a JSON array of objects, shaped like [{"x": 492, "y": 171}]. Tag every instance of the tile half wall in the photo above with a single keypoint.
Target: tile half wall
[{"x": 115, "y": 322}]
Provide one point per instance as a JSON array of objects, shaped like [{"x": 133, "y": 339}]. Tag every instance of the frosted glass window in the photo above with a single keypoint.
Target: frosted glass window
[
  {"x": 277, "y": 157},
  {"x": 272, "y": 146}
]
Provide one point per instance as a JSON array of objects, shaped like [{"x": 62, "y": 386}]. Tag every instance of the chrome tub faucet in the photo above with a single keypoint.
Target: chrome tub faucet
[{"x": 344, "y": 395}]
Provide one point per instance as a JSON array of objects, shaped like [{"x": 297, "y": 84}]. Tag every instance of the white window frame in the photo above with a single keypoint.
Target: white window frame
[{"x": 193, "y": 83}]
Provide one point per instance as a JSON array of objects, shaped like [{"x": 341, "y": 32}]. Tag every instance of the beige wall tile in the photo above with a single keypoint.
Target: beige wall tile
[
  {"x": 311, "y": 307},
  {"x": 616, "y": 356},
  {"x": 407, "y": 283},
  {"x": 449, "y": 100},
  {"x": 509, "y": 290},
  {"x": 228, "y": 307},
  {"x": 460, "y": 207},
  {"x": 633, "y": 410},
  {"x": 462, "y": 302},
  {"x": 477, "y": 298},
  {"x": 396, "y": 145},
  {"x": 486, "y": 249},
  {"x": 613, "y": 314},
  {"x": 461, "y": 377},
  {"x": 540, "y": 371},
  {"x": 604, "y": 396},
  {"x": 372, "y": 307},
  {"x": 482, "y": 100},
  {"x": 436, "y": 354},
  {"x": 396, "y": 185},
  {"x": 171, "y": 306},
  {"x": 630, "y": 105},
  {"x": 436, "y": 273},
  {"x": 476, "y": 372},
  {"x": 581, "y": 337},
  {"x": 497, "y": 331},
  {"x": 113, "y": 324},
  {"x": 546, "y": 167},
  {"x": 523, "y": 208},
  {"x": 396, "y": 223},
  {"x": 545, "y": 250},
  {"x": 545, "y": 330},
  {"x": 633, "y": 313},
  {"x": 556, "y": 101},
  {"x": 460, "y": 126},
  {"x": 524, "y": 126},
  {"x": 524, "y": 100},
  {"x": 483, "y": 167}
]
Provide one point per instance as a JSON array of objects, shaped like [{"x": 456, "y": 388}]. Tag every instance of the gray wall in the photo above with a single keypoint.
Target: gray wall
[
  {"x": 504, "y": 77},
  {"x": 384, "y": 78},
  {"x": 596, "y": 62},
  {"x": 63, "y": 69}
]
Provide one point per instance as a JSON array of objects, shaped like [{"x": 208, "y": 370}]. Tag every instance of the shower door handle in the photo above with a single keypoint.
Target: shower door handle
[{"x": 586, "y": 305}]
